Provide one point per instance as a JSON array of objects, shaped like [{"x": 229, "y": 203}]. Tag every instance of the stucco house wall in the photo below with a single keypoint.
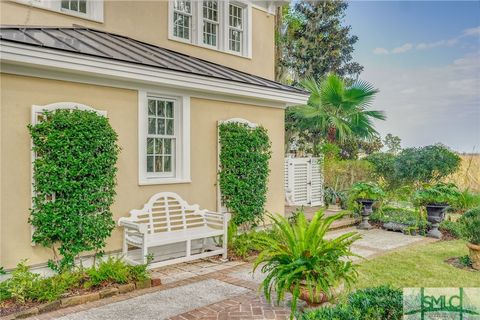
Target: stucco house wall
[
  {"x": 148, "y": 21},
  {"x": 19, "y": 93}
]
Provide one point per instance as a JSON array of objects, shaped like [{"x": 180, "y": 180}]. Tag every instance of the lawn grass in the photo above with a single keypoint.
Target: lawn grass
[{"x": 419, "y": 266}]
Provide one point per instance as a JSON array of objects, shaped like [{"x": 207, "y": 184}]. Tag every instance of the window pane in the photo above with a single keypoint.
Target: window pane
[
  {"x": 65, "y": 4},
  {"x": 158, "y": 164},
  {"x": 150, "y": 164},
  {"x": 160, "y": 126},
  {"x": 161, "y": 109},
  {"x": 150, "y": 146},
  {"x": 83, "y": 6},
  {"x": 167, "y": 146},
  {"x": 73, "y": 5},
  {"x": 151, "y": 125},
  {"x": 158, "y": 146},
  {"x": 167, "y": 164},
  {"x": 235, "y": 42},
  {"x": 181, "y": 25},
  {"x": 170, "y": 126},
  {"x": 169, "y": 109},
  {"x": 151, "y": 108},
  {"x": 183, "y": 5}
]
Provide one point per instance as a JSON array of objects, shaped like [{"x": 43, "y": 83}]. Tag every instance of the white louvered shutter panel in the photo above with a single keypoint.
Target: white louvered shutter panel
[{"x": 316, "y": 189}]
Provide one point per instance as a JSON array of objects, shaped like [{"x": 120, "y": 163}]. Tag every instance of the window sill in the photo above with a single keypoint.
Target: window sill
[{"x": 159, "y": 181}]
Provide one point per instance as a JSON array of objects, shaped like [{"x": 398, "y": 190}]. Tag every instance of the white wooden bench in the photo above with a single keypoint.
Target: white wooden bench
[{"x": 168, "y": 219}]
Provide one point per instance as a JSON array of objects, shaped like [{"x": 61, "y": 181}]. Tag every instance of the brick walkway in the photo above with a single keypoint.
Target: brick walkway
[{"x": 210, "y": 289}]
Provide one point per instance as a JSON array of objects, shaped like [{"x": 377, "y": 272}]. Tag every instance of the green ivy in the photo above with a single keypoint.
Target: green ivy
[
  {"x": 74, "y": 183},
  {"x": 244, "y": 156}
]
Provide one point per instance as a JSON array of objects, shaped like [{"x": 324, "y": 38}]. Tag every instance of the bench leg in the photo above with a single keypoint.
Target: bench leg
[
  {"x": 144, "y": 253},
  {"x": 189, "y": 248}
]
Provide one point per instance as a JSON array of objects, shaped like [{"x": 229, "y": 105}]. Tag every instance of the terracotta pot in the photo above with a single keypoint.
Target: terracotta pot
[
  {"x": 474, "y": 255},
  {"x": 319, "y": 297}
]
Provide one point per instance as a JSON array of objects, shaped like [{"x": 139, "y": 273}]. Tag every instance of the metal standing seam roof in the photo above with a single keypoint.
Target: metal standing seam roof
[{"x": 102, "y": 44}]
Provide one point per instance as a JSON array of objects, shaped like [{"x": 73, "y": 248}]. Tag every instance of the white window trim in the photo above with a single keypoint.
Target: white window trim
[
  {"x": 94, "y": 8},
  {"x": 37, "y": 110},
  {"x": 196, "y": 37},
  {"x": 182, "y": 148}
]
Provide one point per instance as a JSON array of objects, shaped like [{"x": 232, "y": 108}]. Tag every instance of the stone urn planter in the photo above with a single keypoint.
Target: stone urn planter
[
  {"x": 435, "y": 215},
  {"x": 319, "y": 297},
  {"x": 366, "y": 212},
  {"x": 474, "y": 255}
]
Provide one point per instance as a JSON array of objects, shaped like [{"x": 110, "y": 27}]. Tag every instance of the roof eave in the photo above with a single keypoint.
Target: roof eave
[{"x": 17, "y": 53}]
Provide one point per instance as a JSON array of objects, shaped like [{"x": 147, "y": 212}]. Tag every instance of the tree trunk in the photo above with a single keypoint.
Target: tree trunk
[{"x": 332, "y": 134}]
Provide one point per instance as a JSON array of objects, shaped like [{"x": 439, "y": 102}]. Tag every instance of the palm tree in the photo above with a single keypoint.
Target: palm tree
[{"x": 337, "y": 110}]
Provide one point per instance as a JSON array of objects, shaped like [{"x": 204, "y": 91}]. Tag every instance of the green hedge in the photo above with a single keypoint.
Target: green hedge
[
  {"x": 378, "y": 303},
  {"x": 244, "y": 157},
  {"x": 74, "y": 183}
]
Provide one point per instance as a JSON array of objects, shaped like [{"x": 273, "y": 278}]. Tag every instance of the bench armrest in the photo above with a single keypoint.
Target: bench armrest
[
  {"x": 125, "y": 222},
  {"x": 217, "y": 215}
]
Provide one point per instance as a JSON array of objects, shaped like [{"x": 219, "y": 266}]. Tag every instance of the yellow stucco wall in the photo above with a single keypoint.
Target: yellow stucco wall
[
  {"x": 19, "y": 93},
  {"x": 148, "y": 21}
]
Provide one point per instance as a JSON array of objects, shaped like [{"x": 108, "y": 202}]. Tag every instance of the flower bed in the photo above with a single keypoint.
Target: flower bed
[
  {"x": 406, "y": 220},
  {"x": 26, "y": 293}
]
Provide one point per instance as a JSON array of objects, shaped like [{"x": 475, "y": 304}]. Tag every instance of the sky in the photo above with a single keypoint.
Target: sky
[{"x": 424, "y": 57}]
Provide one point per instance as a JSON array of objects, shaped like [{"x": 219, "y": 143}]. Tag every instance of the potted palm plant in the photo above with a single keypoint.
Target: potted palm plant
[
  {"x": 470, "y": 232},
  {"x": 365, "y": 194},
  {"x": 436, "y": 200},
  {"x": 299, "y": 260}
]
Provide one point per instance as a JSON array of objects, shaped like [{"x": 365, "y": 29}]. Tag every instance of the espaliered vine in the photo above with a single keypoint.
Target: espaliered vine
[
  {"x": 244, "y": 156},
  {"x": 74, "y": 183}
]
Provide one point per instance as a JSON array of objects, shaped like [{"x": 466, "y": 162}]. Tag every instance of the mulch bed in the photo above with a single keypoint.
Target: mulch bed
[
  {"x": 458, "y": 264},
  {"x": 9, "y": 306}
]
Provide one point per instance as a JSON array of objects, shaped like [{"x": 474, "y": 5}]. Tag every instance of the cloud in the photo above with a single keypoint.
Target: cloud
[
  {"x": 380, "y": 51},
  {"x": 471, "y": 32},
  {"x": 406, "y": 47},
  {"x": 430, "y": 104}
]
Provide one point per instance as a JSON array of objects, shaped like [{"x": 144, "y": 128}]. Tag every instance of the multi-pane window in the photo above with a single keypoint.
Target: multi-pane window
[
  {"x": 75, "y": 5},
  {"x": 182, "y": 19},
  {"x": 235, "y": 28},
  {"x": 161, "y": 137},
  {"x": 210, "y": 22}
]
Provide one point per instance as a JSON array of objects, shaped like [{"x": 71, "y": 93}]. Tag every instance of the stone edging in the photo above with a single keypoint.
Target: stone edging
[{"x": 84, "y": 298}]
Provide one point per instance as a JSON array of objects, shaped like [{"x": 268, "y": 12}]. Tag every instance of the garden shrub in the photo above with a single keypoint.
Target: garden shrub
[
  {"x": 425, "y": 165},
  {"x": 453, "y": 228},
  {"x": 342, "y": 174},
  {"x": 25, "y": 286},
  {"x": 406, "y": 216},
  {"x": 110, "y": 270},
  {"x": 470, "y": 226},
  {"x": 466, "y": 200},
  {"x": 378, "y": 303},
  {"x": 383, "y": 168},
  {"x": 246, "y": 244},
  {"x": 438, "y": 194},
  {"x": 244, "y": 169},
  {"x": 74, "y": 183}
]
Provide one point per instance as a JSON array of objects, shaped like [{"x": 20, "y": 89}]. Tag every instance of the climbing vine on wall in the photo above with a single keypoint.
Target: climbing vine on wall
[
  {"x": 244, "y": 157},
  {"x": 74, "y": 183}
]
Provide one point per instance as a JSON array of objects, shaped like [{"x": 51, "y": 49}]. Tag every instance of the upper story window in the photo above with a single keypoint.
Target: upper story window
[
  {"x": 235, "y": 28},
  {"x": 85, "y": 9},
  {"x": 182, "y": 19},
  {"x": 210, "y": 23},
  {"x": 75, "y": 5},
  {"x": 223, "y": 25}
]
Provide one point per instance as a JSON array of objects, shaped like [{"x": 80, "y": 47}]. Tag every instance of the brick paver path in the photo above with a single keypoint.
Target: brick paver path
[{"x": 247, "y": 303}]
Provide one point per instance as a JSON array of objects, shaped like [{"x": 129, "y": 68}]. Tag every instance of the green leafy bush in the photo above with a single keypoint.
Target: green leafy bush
[
  {"x": 378, "y": 303},
  {"x": 466, "y": 200},
  {"x": 366, "y": 190},
  {"x": 383, "y": 167},
  {"x": 246, "y": 244},
  {"x": 299, "y": 256},
  {"x": 406, "y": 216},
  {"x": 426, "y": 164},
  {"x": 470, "y": 226},
  {"x": 244, "y": 169},
  {"x": 341, "y": 174},
  {"x": 453, "y": 228},
  {"x": 74, "y": 182},
  {"x": 25, "y": 285},
  {"x": 439, "y": 194}
]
